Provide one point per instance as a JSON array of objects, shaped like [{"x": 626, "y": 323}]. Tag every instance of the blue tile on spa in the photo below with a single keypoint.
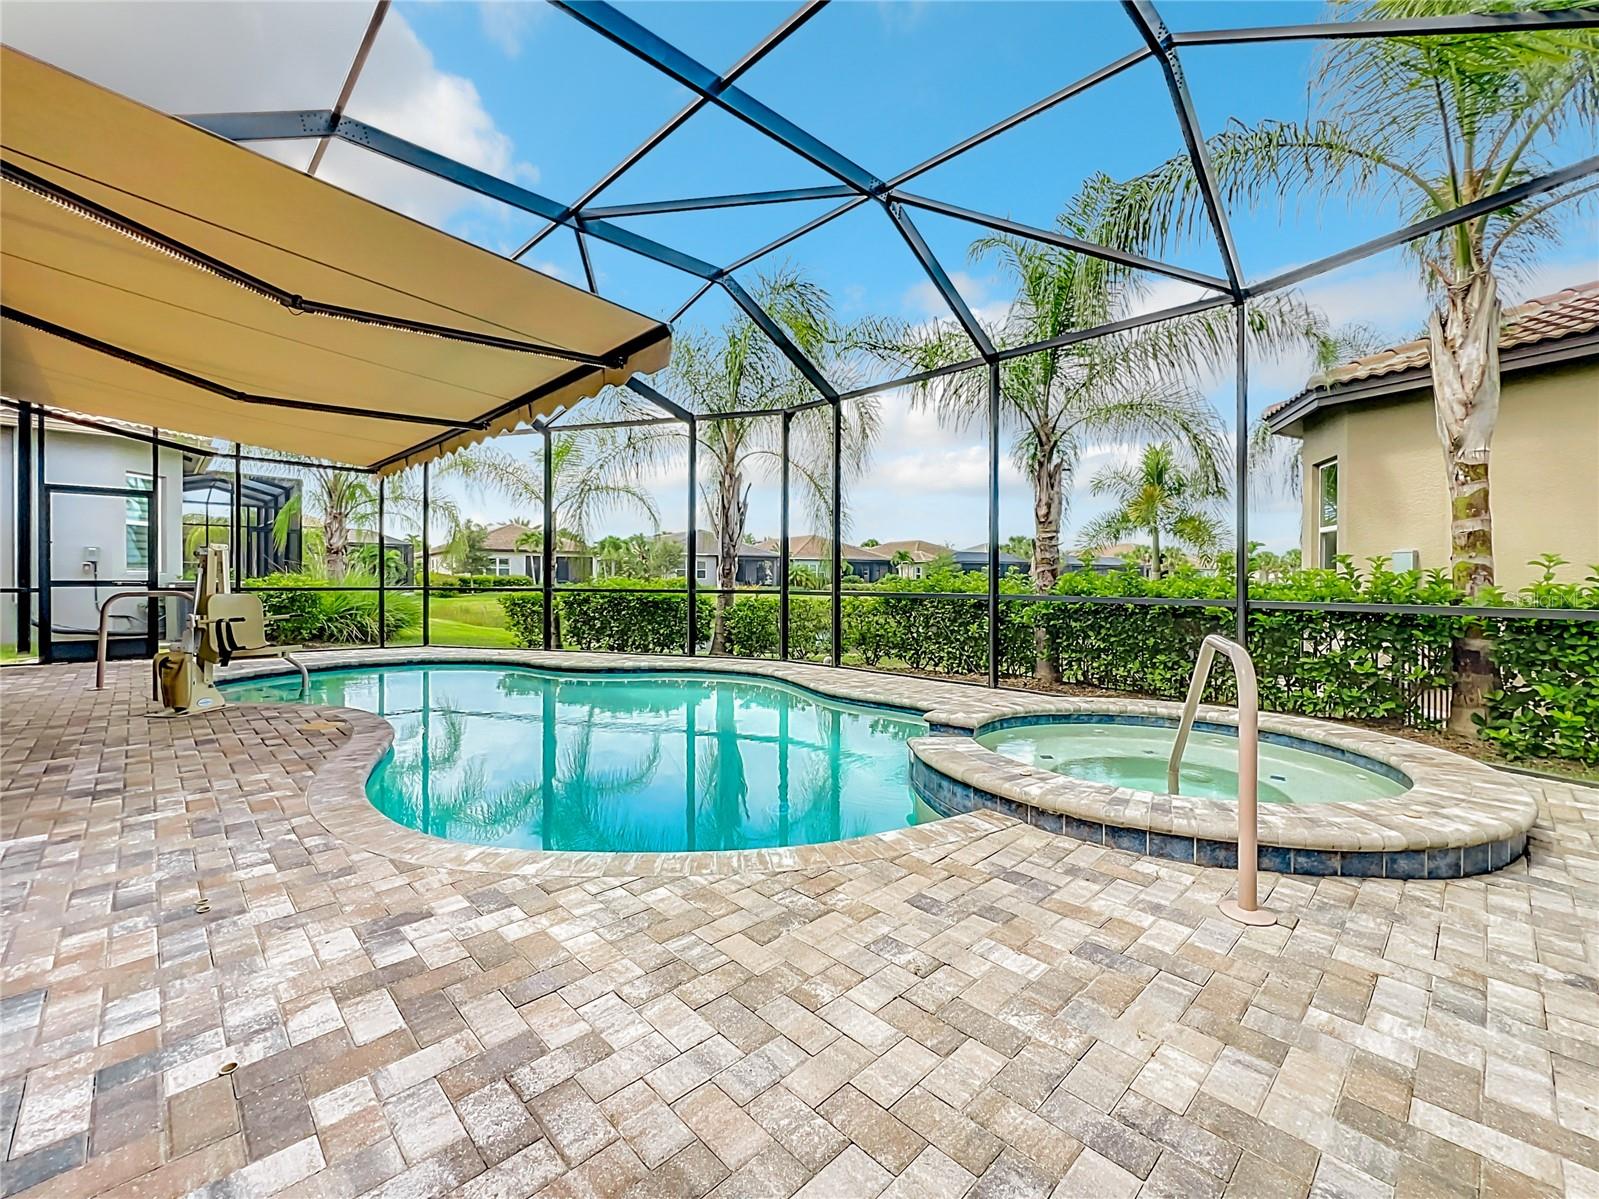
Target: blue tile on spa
[
  {"x": 1474, "y": 859},
  {"x": 1443, "y": 863},
  {"x": 1316, "y": 861},
  {"x": 1408, "y": 863},
  {"x": 1362, "y": 865},
  {"x": 1050, "y": 822},
  {"x": 1133, "y": 840},
  {"x": 1166, "y": 845},
  {"x": 1276, "y": 859},
  {"x": 1216, "y": 853},
  {"x": 1084, "y": 830}
]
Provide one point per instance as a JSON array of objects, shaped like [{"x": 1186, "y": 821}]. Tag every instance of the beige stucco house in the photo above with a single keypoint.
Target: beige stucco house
[{"x": 1372, "y": 470}]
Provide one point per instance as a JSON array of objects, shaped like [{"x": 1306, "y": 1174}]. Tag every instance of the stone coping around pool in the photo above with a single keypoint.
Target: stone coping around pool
[
  {"x": 1454, "y": 803},
  {"x": 338, "y": 799}
]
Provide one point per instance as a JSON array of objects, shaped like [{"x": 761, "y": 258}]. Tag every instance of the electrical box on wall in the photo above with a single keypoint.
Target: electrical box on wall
[{"x": 1404, "y": 560}]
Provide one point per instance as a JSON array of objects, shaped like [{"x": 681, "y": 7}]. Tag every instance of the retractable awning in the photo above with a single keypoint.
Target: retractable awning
[{"x": 158, "y": 274}]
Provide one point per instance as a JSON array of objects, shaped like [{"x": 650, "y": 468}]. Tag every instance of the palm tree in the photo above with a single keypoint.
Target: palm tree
[
  {"x": 1059, "y": 403},
  {"x": 346, "y": 504},
  {"x": 1160, "y": 496},
  {"x": 594, "y": 472},
  {"x": 1434, "y": 122},
  {"x": 737, "y": 368}
]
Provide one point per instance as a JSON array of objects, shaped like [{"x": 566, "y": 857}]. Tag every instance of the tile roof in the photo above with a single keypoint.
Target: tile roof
[
  {"x": 504, "y": 538},
  {"x": 1546, "y": 318}
]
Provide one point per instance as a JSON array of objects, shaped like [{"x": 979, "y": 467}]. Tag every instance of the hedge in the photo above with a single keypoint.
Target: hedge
[
  {"x": 1336, "y": 665},
  {"x": 314, "y": 617}
]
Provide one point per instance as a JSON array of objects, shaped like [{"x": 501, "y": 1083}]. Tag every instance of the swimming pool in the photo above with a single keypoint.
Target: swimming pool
[
  {"x": 531, "y": 759},
  {"x": 1134, "y": 754}
]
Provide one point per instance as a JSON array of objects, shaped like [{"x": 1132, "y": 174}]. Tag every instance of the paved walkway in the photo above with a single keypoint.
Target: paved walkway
[{"x": 1009, "y": 1014}]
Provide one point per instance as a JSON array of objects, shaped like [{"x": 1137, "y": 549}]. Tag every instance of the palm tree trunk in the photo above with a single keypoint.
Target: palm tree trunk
[
  {"x": 1464, "y": 344},
  {"x": 1046, "y": 554},
  {"x": 1154, "y": 539},
  {"x": 728, "y": 532}
]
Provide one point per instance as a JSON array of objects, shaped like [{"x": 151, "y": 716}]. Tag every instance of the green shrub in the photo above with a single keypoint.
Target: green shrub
[
  {"x": 1547, "y": 700},
  {"x": 477, "y": 582},
  {"x": 753, "y": 625},
  {"x": 317, "y": 617},
  {"x": 524, "y": 616}
]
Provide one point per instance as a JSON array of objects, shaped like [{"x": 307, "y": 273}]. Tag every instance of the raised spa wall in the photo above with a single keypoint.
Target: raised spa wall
[{"x": 1036, "y": 796}]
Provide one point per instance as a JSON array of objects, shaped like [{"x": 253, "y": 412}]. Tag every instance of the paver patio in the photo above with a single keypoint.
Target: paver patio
[{"x": 1004, "y": 1013}]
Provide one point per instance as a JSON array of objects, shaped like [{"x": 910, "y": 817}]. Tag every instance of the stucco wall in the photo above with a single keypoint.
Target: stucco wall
[{"x": 1544, "y": 475}]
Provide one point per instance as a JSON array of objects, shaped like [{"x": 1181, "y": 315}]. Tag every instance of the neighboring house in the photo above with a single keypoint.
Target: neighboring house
[
  {"x": 1104, "y": 560},
  {"x": 1372, "y": 468},
  {"x": 812, "y": 552},
  {"x": 922, "y": 555},
  {"x": 513, "y": 550},
  {"x": 976, "y": 558},
  {"x": 756, "y": 566}
]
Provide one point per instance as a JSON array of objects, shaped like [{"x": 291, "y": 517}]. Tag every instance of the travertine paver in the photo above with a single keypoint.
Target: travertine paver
[{"x": 996, "y": 1012}]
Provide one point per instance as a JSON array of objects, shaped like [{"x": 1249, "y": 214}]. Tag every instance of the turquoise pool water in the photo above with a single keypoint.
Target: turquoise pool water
[
  {"x": 510, "y": 756},
  {"x": 1135, "y": 755}
]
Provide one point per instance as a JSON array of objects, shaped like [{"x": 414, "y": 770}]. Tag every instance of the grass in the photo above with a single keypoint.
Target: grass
[{"x": 477, "y": 621}]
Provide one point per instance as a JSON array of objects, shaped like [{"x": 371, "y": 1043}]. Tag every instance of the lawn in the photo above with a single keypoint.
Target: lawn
[{"x": 471, "y": 620}]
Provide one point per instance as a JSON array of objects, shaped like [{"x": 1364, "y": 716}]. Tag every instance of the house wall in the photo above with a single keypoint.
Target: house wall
[
  {"x": 82, "y": 456},
  {"x": 1543, "y": 475}
]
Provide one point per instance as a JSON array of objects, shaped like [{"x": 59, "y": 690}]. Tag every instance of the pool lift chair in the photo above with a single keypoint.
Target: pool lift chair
[{"x": 226, "y": 626}]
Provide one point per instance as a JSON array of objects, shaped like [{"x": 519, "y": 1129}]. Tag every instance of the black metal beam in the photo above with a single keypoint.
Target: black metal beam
[
  {"x": 666, "y": 404},
  {"x": 1054, "y": 238},
  {"x": 588, "y": 266},
  {"x": 24, "y": 542},
  {"x": 836, "y": 585},
  {"x": 993, "y": 524},
  {"x": 778, "y": 337},
  {"x": 1432, "y": 224},
  {"x": 1451, "y": 25},
  {"x": 547, "y": 549},
  {"x": 787, "y": 195},
  {"x": 783, "y": 603},
  {"x": 379, "y": 11},
  {"x": 1154, "y": 32},
  {"x": 1016, "y": 118},
  {"x": 941, "y": 281},
  {"x": 786, "y": 29},
  {"x": 617, "y": 27},
  {"x": 795, "y": 234},
  {"x": 1121, "y": 326},
  {"x": 222, "y": 389},
  {"x": 691, "y": 541},
  {"x": 265, "y": 126}
]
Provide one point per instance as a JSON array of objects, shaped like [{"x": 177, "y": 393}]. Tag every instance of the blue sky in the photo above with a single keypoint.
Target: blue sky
[{"x": 526, "y": 92}]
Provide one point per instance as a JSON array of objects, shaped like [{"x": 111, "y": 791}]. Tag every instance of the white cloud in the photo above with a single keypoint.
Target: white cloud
[
  {"x": 506, "y": 23},
  {"x": 246, "y": 56}
]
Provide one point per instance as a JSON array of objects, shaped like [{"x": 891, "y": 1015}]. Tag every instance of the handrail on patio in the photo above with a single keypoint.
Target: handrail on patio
[
  {"x": 1246, "y": 908},
  {"x": 105, "y": 617}
]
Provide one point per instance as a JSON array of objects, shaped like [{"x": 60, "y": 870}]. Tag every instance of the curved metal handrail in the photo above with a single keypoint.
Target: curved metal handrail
[
  {"x": 105, "y": 615},
  {"x": 1246, "y": 908}
]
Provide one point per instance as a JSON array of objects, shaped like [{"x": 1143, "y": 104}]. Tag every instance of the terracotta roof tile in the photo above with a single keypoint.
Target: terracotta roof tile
[{"x": 1560, "y": 314}]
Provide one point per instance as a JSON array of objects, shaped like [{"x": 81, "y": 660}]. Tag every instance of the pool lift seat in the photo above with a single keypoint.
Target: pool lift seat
[{"x": 227, "y": 626}]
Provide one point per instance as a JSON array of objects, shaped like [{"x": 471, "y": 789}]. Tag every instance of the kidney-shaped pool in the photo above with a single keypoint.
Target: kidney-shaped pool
[{"x": 530, "y": 759}]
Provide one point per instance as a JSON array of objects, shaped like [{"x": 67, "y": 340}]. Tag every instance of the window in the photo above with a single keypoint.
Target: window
[
  {"x": 1327, "y": 514},
  {"x": 702, "y": 569},
  {"x": 136, "y": 533},
  {"x": 502, "y": 565}
]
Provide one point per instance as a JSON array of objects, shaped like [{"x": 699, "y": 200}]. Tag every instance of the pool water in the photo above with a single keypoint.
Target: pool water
[
  {"x": 1132, "y": 755},
  {"x": 509, "y": 756}
]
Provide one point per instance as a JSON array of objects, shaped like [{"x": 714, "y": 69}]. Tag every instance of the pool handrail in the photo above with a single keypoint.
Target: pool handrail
[
  {"x": 1246, "y": 908},
  {"x": 105, "y": 622}
]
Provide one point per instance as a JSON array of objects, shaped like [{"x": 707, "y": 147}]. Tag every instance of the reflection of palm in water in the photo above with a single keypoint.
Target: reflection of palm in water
[{"x": 580, "y": 796}]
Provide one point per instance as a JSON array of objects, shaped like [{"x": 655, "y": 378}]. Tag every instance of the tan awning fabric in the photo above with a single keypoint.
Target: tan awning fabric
[{"x": 299, "y": 234}]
